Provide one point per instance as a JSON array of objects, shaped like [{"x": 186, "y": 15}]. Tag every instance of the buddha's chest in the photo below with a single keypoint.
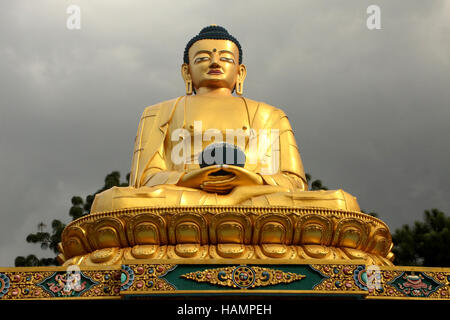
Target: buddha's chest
[{"x": 215, "y": 115}]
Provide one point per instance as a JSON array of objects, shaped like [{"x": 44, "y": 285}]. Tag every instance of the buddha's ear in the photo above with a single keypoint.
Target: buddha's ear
[
  {"x": 185, "y": 73},
  {"x": 242, "y": 73}
]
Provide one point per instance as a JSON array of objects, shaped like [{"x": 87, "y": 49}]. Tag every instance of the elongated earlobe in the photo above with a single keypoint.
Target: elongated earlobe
[
  {"x": 188, "y": 87},
  {"x": 239, "y": 87},
  {"x": 187, "y": 78}
]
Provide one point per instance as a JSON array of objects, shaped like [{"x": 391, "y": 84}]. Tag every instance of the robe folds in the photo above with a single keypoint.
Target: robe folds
[{"x": 154, "y": 176}]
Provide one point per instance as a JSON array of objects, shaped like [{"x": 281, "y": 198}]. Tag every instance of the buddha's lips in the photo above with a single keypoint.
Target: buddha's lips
[{"x": 215, "y": 72}]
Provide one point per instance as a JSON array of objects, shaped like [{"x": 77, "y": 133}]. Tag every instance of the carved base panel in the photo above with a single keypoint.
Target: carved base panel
[
  {"x": 179, "y": 278},
  {"x": 225, "y": 232},
  {"x": 220, "y": 252}
]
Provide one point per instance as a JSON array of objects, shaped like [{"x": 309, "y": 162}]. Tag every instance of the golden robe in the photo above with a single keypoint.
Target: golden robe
[{"x": 154, "y": 176}]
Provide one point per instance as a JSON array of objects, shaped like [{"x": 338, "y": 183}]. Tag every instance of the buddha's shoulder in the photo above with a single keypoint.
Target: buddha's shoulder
[
  {"x": 164, "y": 106},
  {"x": 254, "y": 106},
  {"x": 262, "y": 108}
]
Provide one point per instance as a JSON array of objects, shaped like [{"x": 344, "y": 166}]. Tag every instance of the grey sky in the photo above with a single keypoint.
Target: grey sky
[{"x": 370, "y": 109}]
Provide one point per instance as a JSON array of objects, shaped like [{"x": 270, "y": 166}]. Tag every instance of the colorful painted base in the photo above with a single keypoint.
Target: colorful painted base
[{"x": 156, "y": 278}]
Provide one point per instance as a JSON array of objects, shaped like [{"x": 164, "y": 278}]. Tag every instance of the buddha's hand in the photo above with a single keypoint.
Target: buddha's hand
[
  {"x": 194, "y": 179},
  {"x": 228, "y": 177}
]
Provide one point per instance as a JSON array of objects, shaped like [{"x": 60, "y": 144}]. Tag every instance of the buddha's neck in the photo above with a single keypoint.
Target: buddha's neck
[{"x": 213, "y": 92}]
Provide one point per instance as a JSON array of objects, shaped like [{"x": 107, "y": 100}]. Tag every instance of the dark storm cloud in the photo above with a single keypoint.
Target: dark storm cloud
[{"x": 370, "y": 109}]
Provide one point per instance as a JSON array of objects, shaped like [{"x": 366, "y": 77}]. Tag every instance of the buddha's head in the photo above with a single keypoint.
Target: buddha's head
[{"x": 213, "y": 60}]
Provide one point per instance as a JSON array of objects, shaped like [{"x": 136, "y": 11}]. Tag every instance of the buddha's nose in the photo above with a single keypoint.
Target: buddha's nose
[
  {"x": 214, "y": 61},
  {"x": 214, "y": 65}
]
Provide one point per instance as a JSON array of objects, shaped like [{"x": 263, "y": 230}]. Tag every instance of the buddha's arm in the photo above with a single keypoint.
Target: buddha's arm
[
  {"x": 290, "y": 174},
  {"x": 149, "y": 166},
  {"x": 157, "y": 173}
]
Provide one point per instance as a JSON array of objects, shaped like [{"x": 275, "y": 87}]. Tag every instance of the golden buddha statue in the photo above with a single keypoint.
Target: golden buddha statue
[
  {"x": 178, "y": 207},
  {"x": 213, "y": 69}
]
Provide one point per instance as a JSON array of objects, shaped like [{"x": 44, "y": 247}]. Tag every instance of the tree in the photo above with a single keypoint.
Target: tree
[
  {"x": 47, "y": 241},
  {"x": 30, "y": 260},
  {"x": 426, "y": 243},
  {"x": 314, "y": 185},
  {"x": 50, "y": 240},
  {"x": 373, "y": 214},
  {"x": 317, "y": 185}
]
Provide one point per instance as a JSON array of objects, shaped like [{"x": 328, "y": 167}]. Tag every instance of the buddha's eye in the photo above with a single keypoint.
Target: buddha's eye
[
  {"x": 201, "y": 59},
  {"x": 230, "y": 60}
]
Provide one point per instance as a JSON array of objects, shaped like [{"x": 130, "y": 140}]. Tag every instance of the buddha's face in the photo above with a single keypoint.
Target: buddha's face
[{"x": 213, "y": 64}]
